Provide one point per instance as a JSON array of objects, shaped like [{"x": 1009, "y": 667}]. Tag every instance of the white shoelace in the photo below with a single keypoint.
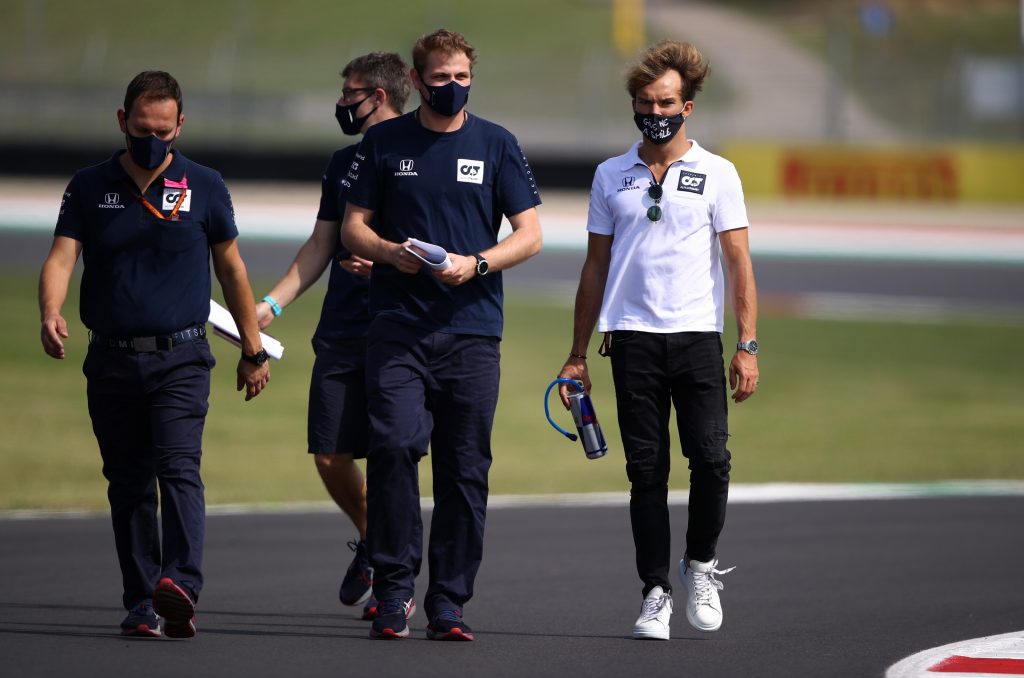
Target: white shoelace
[
  {"x": 703, "y": 583},
  {"x": 653, "y": 606}
]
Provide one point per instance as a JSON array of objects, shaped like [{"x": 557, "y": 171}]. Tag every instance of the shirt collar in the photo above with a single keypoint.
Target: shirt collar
[
  {"x": 632, "y": 157},
  {"x": 175, "y": 171}
]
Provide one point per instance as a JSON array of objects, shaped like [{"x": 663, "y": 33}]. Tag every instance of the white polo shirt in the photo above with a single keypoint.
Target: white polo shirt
[{"x": 665, "y": 276}]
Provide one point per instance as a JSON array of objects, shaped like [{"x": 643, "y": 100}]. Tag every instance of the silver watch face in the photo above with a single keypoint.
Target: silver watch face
[
  {"x": 749, "y": 346},
  {"x": 482, "y": 266}
]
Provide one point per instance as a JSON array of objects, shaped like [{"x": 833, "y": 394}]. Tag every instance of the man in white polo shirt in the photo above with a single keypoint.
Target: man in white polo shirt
[{"x": 662, "y": 216}]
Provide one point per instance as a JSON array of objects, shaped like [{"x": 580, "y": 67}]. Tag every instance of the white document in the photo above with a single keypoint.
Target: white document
[
  {"x": 224, "y": 327},
  {"x": 433, "y": 256}
]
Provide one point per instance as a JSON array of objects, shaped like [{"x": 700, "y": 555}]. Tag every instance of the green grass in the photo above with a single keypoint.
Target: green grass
[{"x": 839, "y": 401}]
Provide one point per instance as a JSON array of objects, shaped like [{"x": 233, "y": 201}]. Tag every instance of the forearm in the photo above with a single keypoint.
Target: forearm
[
  {"x": 53, "y": 288},
  {"x": 361, "y": 240},
  {"x": 744, "y": 300},
  {"x": 589, "y": 295},
  {"x": 307, "y": 267},
  {"x": 524, "y": 242}
]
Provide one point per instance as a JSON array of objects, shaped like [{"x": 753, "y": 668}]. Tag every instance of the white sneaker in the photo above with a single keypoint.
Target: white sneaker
[
  {"x": 703, "y": 607},
  {"x": 654, "y": 615}
]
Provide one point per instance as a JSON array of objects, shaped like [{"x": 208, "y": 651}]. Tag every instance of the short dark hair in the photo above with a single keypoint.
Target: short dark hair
[
  {"x": 441, "y": 40},
  {"x": 669, "y": 54},
  {"x": 385, "y": 70},
  {"x": 154, "y": 86}
]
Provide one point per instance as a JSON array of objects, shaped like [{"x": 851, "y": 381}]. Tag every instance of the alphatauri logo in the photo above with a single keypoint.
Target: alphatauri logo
[
  {"x": 470, "y": 171},
  {"x": 691, "y": 182}
]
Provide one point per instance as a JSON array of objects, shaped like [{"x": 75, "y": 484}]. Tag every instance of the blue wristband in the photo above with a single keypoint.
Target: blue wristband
[{"x": 274, "y": 306}]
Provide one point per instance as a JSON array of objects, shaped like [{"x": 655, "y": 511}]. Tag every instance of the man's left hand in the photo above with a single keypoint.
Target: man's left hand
[
  {"x": 252, "y": 377},
  {"x": 461, "y": 270},
  {"x": 743, "y": 375}
]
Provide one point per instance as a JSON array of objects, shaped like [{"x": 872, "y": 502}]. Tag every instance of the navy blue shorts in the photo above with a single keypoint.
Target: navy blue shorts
[{"x": 337, "y": 422}]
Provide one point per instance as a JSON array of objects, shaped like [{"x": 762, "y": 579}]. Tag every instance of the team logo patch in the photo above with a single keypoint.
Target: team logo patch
[
  {"x": 406, "y": 168},
  {"x": 628, "y": 184},
  {"x": 171, "y": 196},
  {"x": 691, "y": 182},
  {"x": 470, "y": 171},
  {"x": 111, "y": 201}
]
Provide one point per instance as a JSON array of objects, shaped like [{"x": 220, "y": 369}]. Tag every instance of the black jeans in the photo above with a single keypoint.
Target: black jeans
[{"x": 653, "y": 372}]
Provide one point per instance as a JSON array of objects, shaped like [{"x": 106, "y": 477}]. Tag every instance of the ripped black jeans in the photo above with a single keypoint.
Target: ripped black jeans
[{"x": 653, "y": 373}]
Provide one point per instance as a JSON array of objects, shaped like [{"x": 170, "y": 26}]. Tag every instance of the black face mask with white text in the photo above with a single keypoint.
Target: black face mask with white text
[{"x": 659, "y": 129}]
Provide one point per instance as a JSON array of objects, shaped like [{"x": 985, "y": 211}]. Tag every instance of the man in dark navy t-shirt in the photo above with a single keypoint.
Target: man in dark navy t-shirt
[
  {"x": 445, "y": 177},
  {"x": 376, "y": 87},
  {"x": 146, "y": 223}
]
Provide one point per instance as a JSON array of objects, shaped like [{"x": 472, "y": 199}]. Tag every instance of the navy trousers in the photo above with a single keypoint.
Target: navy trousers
[
  {"x": 652, "y": 373},
  {"x": 428, "y": 388},
  {"x": 148, "y": 411}
]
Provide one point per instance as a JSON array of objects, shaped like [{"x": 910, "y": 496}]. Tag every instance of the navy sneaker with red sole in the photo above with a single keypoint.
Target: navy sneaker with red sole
[
  {"x": 175, "y": 605},
  {"x": 357, "y": 584},
  {"x": 392, "y": 617},
  {"x": 142, "y": 621},
  {"x": 448, "y": 625}
]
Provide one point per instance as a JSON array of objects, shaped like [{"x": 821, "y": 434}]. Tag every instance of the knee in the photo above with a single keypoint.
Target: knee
[
  {"x": 647, "y": 471},
  {"x": 332, "y": 463}
]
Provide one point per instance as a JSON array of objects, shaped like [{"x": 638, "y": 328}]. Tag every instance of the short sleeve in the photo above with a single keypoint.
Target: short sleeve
[
  {"x": 599, "y": 215},
  {"x": 362, "y": 180},
  {"x": 517, "y": 189},
  {"x": 730, "y": 211},
  {"x": 328, "y": 210},
  {"x": 71, "y": 221},
  {"x": 221, "y": 225}
]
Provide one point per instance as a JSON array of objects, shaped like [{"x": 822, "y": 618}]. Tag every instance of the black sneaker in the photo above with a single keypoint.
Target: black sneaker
[
  {"x": 448, "y": 625},
  {"x": 392, "y": 615},
  {"x": 172, "y": 603},
  {"x": 357, "y": 585},
  {"x": 141, "y": 621},
  {"x": 370, "y": 609}
]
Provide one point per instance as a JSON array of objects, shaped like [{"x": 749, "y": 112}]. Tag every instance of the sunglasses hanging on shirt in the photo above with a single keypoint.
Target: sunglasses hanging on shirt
[{"x": 654, "y": 192}]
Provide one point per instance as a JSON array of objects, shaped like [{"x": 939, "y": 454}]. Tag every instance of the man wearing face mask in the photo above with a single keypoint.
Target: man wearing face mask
[
  {"x": 146, "y": 223},
  {"x": 375, "y": 88},
  {"x": 444, "y": 176},
  {"x": 661, "y": 217}
]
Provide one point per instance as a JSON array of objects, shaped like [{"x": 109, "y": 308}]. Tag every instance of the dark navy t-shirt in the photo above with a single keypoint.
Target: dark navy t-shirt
[
  {"x": 145, "y": 276},
  {"x": 450, "y": 189},
  {"x": 346, "y": 312}
]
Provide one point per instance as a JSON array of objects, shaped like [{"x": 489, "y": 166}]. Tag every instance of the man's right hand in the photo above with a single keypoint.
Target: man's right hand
[
  {"x": 402, "y": 260},
  {"x": 575, "y": 369},
  {"x": 53, "y": 330}
]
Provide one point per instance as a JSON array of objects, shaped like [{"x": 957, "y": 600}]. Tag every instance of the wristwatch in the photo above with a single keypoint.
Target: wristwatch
[
  {"x": 258, "y": 359},
  {"x": 748, "y": 346},
  {"x": 481, "y": 265}
]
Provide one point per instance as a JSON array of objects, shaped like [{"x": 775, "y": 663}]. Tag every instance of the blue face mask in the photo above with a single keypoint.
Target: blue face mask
[
  {"x": 148, "y": 152},
  {"x": 659, "y": 129},
  {"x": 447, "y": 99}
]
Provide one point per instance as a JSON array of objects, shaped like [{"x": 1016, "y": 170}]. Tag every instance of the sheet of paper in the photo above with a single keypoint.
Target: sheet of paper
[
  {"x": 433, "y": 256},
  {"x": 224, "y": 327}
]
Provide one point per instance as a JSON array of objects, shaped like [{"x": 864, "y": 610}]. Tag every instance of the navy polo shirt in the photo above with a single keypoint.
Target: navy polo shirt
[
  {"x": 446, "y": 188},
  {"x": 346, "y": 312},
  {"x": 143, "y": 275}
]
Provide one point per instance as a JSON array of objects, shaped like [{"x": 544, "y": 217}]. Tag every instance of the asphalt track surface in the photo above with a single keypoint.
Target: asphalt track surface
[{"x": 841, "y": 589}]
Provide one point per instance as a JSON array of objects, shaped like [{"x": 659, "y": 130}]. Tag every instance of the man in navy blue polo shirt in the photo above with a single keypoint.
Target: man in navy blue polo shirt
[
  {"x": 146, "y": 222},
  {"x": 446, "y": 177},
  {"x": 375, "y": 88}
]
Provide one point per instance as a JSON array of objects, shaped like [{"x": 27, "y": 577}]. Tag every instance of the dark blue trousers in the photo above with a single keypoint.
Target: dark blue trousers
[
  {"x": 653, "y": 373},
  {"x": 428, "y": 388},
  {"x": 148, "y": 412}
]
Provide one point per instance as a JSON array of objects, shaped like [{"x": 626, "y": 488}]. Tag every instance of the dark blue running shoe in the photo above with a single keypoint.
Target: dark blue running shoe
[
  {"x": 141, "y": 621},
  {"x": 448, "y": 625},
  {"x": 357, "y": 585},
  {"x": 392, "y": 617},
  {"x": 175, "y": 605}
]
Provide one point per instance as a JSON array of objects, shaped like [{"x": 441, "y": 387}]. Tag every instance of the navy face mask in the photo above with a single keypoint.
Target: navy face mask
[
  {"x": 447, "y": 99},
  {"x": 346, "y": 117},
  {"x": 659, "y": 129},
  {"x": 148, "y": 152}
]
